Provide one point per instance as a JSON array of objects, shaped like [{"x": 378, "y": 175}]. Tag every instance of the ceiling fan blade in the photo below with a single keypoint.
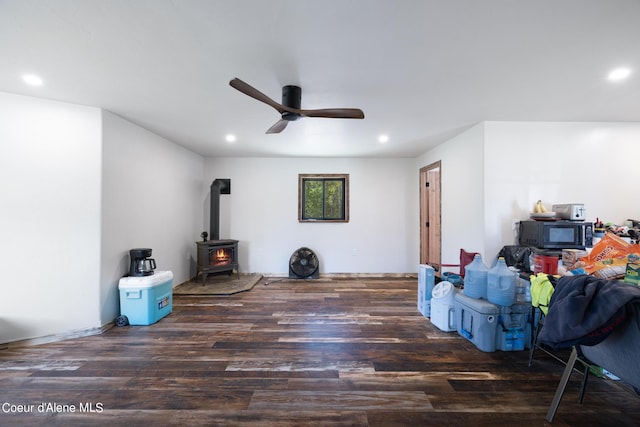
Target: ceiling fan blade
[
  {"x": 278, "y": 127},
  {"x": 291, "y": 97},
  {"x": 249, "y": 90},
  {"x": 334, "y": 113}
]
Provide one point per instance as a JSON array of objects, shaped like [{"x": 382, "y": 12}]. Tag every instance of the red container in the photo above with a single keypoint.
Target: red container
[{"x": 545, "y": 264}]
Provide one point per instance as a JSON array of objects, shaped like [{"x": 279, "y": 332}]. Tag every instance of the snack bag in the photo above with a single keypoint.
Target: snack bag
[
  {"x": 609, "y": 257},
  {"x": 610, "y": 246}
]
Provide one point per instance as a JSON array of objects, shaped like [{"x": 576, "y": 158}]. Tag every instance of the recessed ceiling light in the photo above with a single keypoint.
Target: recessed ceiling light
[
  {"x": 619, "y": 74},
  {"x": 32, "y": 79},
  {"x": 230, "y": 138},
  {"x": 383, "y": 138}
]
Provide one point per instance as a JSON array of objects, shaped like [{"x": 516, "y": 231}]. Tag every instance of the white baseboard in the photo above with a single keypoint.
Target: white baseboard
[
  {"x": 352, "y": 275},
  {"x": 57, "y": 337}
]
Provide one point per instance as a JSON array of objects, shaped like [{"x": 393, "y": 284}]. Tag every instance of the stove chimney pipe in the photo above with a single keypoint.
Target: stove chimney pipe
[{"x": 218, "y": 187}]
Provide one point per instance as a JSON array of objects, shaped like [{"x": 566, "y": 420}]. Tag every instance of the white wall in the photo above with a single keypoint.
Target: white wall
[
  {"x": 504, "y": 167},
  {"x": 50, "y": 175},
  {"x": 591, "y": 163},
  {"x": 81, "y": 187},
  {"x": 261, "y": 212},
  {"x": 151, "y": 199},
  {"x": 462, "y": 192}
]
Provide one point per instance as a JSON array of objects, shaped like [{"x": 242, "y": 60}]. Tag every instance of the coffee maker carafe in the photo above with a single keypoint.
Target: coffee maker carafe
[{"x": 141, "y": 264}]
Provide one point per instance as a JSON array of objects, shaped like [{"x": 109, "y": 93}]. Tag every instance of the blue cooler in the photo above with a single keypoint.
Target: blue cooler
[
  {"x": 477, "y": 321},
  {"x": 147, "y": 299}
]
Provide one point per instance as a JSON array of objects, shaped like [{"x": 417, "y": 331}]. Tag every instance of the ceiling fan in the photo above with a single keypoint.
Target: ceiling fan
[{"x": 290, "y": 108}]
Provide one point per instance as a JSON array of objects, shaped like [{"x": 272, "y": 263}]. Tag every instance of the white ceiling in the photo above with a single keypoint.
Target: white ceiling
[{"x": 421, "y": 71}]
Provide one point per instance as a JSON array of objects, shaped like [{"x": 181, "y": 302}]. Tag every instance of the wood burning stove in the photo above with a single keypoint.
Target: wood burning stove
[{"x": 216, "y": 256}]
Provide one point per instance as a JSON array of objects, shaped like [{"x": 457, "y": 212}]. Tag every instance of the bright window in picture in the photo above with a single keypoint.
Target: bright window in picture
[{"x": 323, "y": 198}]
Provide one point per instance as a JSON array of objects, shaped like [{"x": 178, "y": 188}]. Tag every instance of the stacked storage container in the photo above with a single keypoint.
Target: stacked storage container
[
  {"x": 486, "y": 313},
  {"x": 498, "y": 322}
]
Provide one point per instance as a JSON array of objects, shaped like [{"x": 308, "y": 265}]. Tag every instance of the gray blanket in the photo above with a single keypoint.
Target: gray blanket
[{"x": 584, "y": 310}]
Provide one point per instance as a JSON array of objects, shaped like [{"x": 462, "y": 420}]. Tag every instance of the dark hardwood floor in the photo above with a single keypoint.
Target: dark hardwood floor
[{"x": 351, "y": 352}]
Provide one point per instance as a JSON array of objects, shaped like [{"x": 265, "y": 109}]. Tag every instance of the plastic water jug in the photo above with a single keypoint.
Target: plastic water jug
[
  {"x": 444, "y": 292},
  {"x": 475, "y": 278},
  {"x": 442, "y": 307},
  {"x": 501, "y": 284}
]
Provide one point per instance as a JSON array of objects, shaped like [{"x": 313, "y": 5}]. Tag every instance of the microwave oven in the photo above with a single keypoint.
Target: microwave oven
[{"x": 556, "y": 234}]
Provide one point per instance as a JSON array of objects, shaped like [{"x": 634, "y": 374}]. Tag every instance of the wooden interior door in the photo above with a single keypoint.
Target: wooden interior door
[{"x": 430, "y": 215}]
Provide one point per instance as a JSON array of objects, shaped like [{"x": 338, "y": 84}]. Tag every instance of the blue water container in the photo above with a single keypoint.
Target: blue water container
[
  {"x": 501, "y": 284},
  {"x": 475, "y": 278}
]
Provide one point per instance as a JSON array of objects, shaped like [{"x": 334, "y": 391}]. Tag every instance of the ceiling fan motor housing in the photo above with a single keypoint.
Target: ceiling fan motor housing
[{"x": 291, "y": 97}]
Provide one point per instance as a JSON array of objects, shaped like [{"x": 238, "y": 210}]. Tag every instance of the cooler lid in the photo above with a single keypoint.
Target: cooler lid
[
  {"x": 137, "y": 282},
  {"x": 479, "y": 305}
]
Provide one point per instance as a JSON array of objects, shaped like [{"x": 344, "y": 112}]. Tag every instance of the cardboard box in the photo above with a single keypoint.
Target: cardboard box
[
  {"x": 147, "y": 299},
  {"x": 571, "y": 256}
]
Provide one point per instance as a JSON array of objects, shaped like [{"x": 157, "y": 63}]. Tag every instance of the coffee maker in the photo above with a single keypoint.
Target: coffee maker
[{"x": 141, "y": 264}]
